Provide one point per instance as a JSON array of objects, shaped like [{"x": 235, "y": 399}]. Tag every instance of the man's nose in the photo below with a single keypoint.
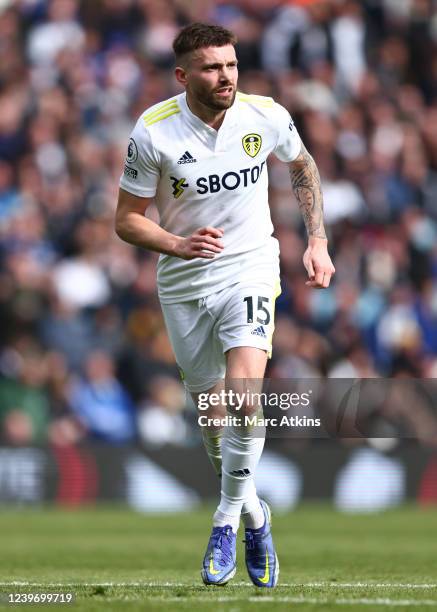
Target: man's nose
[{"x": 224, "y": 74}]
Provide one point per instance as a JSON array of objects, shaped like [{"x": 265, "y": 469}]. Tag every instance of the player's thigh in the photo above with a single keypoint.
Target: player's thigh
[{"x": 197, "y": 350}]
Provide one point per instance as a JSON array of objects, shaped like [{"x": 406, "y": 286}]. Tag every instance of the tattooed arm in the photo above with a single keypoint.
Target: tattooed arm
[{"x": 305, "y": 181}]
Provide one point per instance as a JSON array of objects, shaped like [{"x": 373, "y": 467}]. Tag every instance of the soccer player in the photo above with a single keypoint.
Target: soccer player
[{"x": 201, "y": 156}]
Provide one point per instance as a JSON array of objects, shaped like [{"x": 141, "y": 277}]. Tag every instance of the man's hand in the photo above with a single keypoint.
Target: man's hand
[
  {"x": 204, "y": 242},
  {"x": 318, "y": 264}
]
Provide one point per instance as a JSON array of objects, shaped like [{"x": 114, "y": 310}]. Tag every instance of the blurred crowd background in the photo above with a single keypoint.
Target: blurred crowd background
[{"x": 83, "y": 349}]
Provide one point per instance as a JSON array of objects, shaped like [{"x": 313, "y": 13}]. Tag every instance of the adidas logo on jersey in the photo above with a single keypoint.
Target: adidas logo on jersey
[
  {"x": 187, "y": 158},
  {"x": 259, "y": 331}
]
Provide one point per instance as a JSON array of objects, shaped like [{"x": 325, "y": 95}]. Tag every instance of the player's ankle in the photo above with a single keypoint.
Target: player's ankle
[
  {"x": 254, "y": 518},
  {"x": 221, "y": 519}
]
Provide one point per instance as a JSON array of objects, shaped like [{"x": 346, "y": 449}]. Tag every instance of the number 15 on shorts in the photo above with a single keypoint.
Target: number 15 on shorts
[{"x": 262, "y": 304}]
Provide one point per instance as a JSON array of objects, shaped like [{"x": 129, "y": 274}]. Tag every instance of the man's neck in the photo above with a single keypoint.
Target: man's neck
[{"x": 209, "y": 116}]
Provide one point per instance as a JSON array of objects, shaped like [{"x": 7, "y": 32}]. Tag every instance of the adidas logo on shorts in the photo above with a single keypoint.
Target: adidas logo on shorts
[
  {"x": 187, "y": 158},
  {"x": 259, "y": 331}
]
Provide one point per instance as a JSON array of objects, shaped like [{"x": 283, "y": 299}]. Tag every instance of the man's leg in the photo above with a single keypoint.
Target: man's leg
[
  {"x": 242, "y": 445},
  {"x": 212, "y": 435},
  {"x": 251, "y": 512},
  {"x": 241, "y": 450}
]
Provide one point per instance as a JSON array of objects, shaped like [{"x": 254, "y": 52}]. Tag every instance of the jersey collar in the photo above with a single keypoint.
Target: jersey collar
[{"x": 216, "y": 138}]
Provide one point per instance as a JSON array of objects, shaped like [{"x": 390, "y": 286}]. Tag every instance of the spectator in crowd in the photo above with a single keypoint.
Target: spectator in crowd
[
  {"x": 100, "y": 402},
  {"x": 160, "y": 417}
]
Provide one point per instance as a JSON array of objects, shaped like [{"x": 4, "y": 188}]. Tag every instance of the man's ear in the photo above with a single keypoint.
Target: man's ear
[{"x": 181, "y": 75}]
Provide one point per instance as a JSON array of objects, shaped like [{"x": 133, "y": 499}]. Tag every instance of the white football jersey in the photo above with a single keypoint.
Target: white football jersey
[{"x": 199, "y": 176}]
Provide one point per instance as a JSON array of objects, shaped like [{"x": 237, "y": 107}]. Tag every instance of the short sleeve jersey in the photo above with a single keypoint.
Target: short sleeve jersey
[{"x": 201, "y": 177}]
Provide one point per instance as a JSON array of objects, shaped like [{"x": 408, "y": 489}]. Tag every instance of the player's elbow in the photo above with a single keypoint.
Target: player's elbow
[{"x": 120, "y": 227}]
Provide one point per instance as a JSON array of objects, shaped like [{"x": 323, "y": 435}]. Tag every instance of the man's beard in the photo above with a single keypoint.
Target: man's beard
[{"x": 216, "y": 104}]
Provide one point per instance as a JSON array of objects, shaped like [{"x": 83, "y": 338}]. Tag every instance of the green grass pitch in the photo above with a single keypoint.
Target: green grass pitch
[{"x": 114, "y": 559}]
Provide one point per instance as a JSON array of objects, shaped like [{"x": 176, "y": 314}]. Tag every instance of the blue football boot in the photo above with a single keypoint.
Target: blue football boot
[
  {"x": 219, "y": 564},
  {"x": 261, "y": 559}
]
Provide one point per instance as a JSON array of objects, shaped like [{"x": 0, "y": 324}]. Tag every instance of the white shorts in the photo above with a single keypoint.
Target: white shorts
[{"x": 203, "y": 330}]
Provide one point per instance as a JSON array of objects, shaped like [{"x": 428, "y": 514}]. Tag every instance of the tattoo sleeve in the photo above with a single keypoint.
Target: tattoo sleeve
[{"x": 305, "y": 181}]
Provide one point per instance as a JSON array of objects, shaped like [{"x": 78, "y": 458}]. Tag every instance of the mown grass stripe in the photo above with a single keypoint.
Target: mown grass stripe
[
  {"x": 169, "y": 585},
  {"x": 268, "y": 599}
]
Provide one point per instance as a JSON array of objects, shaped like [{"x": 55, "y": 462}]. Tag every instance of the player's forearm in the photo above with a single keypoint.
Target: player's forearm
[
  {"x": 305, "y": 181},
  {"x": 139, "y": 231}
]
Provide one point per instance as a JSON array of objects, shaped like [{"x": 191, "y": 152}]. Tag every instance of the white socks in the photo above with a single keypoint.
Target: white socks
[
  {"x": 220, "y": 519},
  {"x": 239, "y": 457},
  {"x": 252, "y": 513}
]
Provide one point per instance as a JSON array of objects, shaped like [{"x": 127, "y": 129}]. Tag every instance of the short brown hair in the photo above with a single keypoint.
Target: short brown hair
[{"x": 201, "y": 35}]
